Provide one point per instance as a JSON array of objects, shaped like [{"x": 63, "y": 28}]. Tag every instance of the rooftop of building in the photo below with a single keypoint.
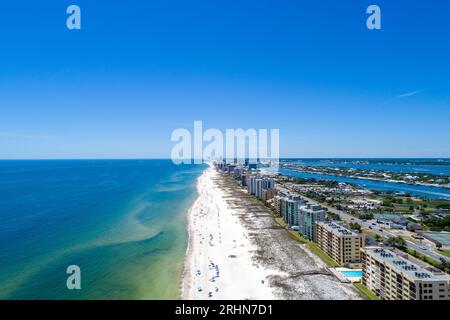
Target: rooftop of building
[
  {"x": 337, "y": 228},
  {"x": 312, "y": 208},
  {"x": 402, "y": 263}
]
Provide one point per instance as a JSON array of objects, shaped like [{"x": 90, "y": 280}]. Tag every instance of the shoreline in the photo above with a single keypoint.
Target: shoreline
[
  {"x": 236, "y": 251},
  {"x": 185, "y": 275},
  {"x": 218, "y": 263},
  {"x": 420, "y": 184}
]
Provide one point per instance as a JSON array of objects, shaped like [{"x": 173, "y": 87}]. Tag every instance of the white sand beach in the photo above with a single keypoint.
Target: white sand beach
[
  {"x": 237, "y": 252},
  {"x": 219, "y": 261}
]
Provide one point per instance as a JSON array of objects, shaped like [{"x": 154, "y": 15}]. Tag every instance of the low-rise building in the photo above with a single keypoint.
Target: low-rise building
[{"x": 394, "y": 275}]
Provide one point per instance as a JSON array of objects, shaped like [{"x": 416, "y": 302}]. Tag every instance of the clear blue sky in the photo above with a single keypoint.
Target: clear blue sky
[{"x": 139, "y": 69}]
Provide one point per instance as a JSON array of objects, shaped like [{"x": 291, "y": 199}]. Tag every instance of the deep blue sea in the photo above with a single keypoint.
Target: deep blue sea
[{"x": 121, "y": 221}]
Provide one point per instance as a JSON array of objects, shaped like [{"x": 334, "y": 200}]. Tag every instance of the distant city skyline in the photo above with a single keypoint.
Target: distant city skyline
[{"x": 134, "y": 73}]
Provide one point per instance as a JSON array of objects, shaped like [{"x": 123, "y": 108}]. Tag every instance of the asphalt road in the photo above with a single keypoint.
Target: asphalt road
[{"x": 376, "y": 229}]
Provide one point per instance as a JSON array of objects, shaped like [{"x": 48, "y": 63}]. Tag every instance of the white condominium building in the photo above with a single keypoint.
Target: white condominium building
[{"x": 308, "y": 216}]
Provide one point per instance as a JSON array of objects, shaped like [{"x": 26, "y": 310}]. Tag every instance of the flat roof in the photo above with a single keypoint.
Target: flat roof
[
  {"x": 337, "y": 228},
  {"x": 411, "y": 269},
  {"x": 312, "y": 208}
]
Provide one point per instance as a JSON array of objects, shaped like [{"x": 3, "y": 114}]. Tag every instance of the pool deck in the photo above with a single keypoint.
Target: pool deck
[{"x": 342, "y": 278}]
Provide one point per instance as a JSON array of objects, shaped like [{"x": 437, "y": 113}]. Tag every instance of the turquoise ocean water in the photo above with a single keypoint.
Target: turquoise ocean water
[{"x": 123, "y": 222}]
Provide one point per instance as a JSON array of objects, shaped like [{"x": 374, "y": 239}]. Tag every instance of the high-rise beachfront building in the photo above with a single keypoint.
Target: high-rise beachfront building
[
  {"x": 230, "y": 168},
  {"x": 257, "y": 183},
  {"x": 278, "y": 199},
  {"x": 394, "y": 275},
  {"x": 340, "y": 243},
  {"x": 277, "y": 203},
  {"x": 251, "y": 184},
  {"x": 308, "y": 216},
  {"x": 267, "y": 194},
  {"x": 239, "y": 171},
  {"x": 264, "y": 184},
  {"x": 290, "y": 209}
]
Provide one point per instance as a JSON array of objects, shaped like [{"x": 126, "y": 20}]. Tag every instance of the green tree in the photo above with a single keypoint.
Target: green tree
[
  {"x": 397, "y": 242},
  {"x": 355, "y": 226}
]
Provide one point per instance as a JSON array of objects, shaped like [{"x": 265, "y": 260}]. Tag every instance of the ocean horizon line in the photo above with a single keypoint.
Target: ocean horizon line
[{"x": 281, "y": 158}]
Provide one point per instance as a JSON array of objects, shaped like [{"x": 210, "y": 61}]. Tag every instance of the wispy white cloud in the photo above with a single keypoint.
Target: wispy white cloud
[
  {"x": 25, "y": 136},
  {"x": 409, "y": 94}
]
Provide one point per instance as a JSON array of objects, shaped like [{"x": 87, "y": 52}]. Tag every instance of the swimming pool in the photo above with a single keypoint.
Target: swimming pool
[{"x": 351, "y": 274}]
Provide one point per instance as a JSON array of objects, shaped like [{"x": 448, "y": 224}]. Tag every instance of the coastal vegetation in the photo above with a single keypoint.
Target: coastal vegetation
[
  {"x": 311, "y": 245},
  {"x": 296, "y": 256},
  {"x": 438, "y": 224},
  {"x": 355, "y": 226},
  {"x": 322, "y": 255},
  {"x": 365, "y": 292},
  {"x": 397, "y": 242},
  {"x": 386, "y": 162},
  {"x": 296, "y": 235},
  {"x": 445, "y": 253},
  {"x": 413, "y": 178}
]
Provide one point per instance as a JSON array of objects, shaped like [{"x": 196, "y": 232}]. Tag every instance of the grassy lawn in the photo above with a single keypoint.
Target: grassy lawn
[
  {"x": 293, "y": 234},
  {"x": 257, "y": 201},
  {"x": 366, "y": 292},
  {"x": 280, "y": 221},
  {"x": 296, "y": 236},
  {"x": 445, "y": 253},
  {"x": 372, "y": 234},
  {"x": 322, "y": 255}
]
